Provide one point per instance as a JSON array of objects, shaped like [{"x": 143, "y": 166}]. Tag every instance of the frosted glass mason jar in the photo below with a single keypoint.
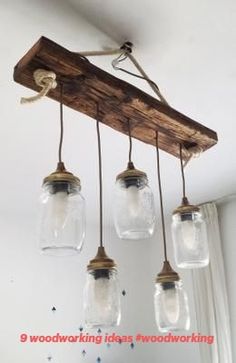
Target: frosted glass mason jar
[
  {"x": 134, "y": 212},
  {"x": 189, "y": 234},
  {"x": 62, "y": 225},
  {"x": 170, "y": 301},
  {"x": 171, "y": 307},
  {"x": 102, "y": 293}
]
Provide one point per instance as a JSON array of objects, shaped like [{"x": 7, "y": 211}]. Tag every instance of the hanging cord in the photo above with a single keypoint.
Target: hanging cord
[
  {"x": 61, "y": 124},
  {"x": 130, "y": 142},
  {"x": 152, "y": 84},
  {"x": 127, "y": 54},
  {"x": 182, "y": 169},
  {"x": 100, "y": 182},
  {"x": 161, "y": 196},
  {"x": 44, "y": 79}
]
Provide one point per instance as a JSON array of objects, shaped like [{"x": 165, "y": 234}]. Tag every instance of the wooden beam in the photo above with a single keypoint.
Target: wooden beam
[{"x": 85, "y": 86}]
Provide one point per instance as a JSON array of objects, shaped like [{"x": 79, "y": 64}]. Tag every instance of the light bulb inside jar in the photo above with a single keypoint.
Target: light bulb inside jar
[
  {"x": 59, "y": 211},
  {"x": 101, "y": 287},
  {"x": 170, "y": 299},
  {"x": 189, "y": 231},
  {"x": 133, "y": 199}
]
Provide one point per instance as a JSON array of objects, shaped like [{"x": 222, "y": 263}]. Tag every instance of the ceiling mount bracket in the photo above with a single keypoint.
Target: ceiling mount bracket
[{"x": 127, "y": 47}]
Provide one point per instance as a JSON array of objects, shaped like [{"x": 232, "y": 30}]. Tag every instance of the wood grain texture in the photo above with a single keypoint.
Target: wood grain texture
[{"x": 85, "y": 86}]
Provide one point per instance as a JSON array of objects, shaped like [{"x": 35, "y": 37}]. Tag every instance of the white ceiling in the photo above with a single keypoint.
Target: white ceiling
[{"x": 187, "y": 47}]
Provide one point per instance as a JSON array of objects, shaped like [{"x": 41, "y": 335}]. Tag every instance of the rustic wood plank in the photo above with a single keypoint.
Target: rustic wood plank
[{"x": 85, "y": 86}]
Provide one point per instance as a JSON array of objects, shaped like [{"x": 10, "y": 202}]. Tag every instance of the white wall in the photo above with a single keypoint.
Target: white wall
[
  {"x": 32, "y": 284},
  {"x": 227, "y": 215}
]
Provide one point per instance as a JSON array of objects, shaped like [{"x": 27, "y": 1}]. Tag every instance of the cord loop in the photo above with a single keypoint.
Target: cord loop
[{"x": 44, "y": 79}]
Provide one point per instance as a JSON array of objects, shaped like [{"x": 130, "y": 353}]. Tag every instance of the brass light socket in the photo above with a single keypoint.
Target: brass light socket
[
  {"x": 167, "y": 274},
  {"x": 185, "y": 207},
  {"x": 131, "y": 172},
  {"x": 101, "y": 261},
  {"x": 62, "y": 175}
]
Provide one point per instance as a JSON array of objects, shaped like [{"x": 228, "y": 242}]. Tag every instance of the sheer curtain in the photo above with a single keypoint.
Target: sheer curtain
[{"x": 210, "y": 295}]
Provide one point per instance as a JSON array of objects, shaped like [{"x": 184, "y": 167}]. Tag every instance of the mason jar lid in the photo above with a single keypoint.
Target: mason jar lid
[
  {"x": 167, "y": 274},
  {"x": 186, "y": 208},
  {"x": 101, "y": 261},
  {"x": 131, "y": 172},
  {"x": 62, "y": 175}
]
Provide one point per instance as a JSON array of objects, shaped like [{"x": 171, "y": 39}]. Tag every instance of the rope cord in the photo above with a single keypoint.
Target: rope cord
[
  {"x": 161, "y": 197},
  {"x": 127, "y": 54},
  {"x": 99, "y": 52},
  {"x": 194, "y": 152},
  {"x": 100, "y": 184},
  {"x": 44, "y": 79}
]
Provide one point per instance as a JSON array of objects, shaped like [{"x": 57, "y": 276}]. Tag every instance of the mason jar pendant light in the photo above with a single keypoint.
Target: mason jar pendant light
[
  {"x": 134, "y": 212},
  {"x": 170, "y": 299},
  {"x": 62, "y": 227},
  {"x": 101, "y": 292},
  {"x": 189, "y": 232}
]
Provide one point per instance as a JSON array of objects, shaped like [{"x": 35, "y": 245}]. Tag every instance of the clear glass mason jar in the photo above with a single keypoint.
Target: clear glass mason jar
[
  {"x": 189, "y": 234},
  {"x": 102, "y": 293},
  {"x": 134, "y": 211},
  {"x": 62, "y": 226},
  {"x": 171, "y": 307}
]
